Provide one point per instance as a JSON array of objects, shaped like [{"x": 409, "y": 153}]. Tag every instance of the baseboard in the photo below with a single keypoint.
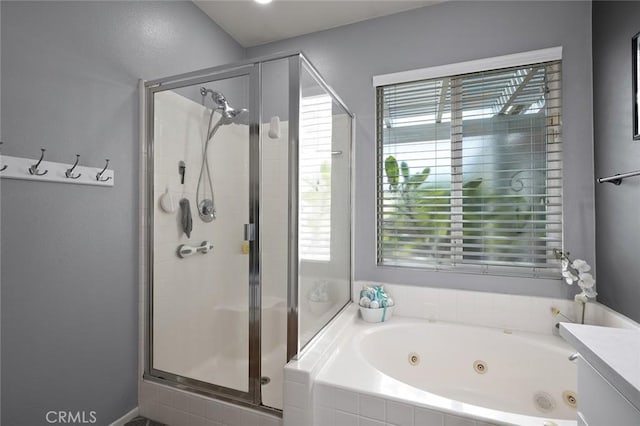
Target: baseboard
[{"x": 126, "y": 418}]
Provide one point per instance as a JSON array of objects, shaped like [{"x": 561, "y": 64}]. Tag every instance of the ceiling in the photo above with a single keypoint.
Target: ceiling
[{"x": 252, "y": 24}]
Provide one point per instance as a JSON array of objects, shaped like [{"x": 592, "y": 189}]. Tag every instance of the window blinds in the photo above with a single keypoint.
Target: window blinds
[
  {"x": 470, "y": 171},
  {"x": 315, "y": 177}
]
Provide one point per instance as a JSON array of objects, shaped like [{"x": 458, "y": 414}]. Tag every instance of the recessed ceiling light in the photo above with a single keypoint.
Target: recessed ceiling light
[{"x": 263, "y": 1}]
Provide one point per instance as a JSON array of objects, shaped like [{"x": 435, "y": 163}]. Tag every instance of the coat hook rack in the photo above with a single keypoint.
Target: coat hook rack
[
  {"x": 617, "y": 178},
  {"x": 69, "y": 172},
  {"x": 42, "y": 170},
  {"x": 99, "y": 175},
  {"x": 34, "y": 167}
]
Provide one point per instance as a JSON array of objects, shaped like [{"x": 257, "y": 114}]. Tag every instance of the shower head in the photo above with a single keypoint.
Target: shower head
[
  {"x": 232, "y": 115},
  {"x": 229, "y": 114}
]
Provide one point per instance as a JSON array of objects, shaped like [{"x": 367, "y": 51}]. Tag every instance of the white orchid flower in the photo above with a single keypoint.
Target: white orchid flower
[
  {"x": 581, "y": 297},
  {"x": 569, "y": 277},
  {"x": 581, "y": 266},
  {"x": 565, "y": 264},
  {"x": 586, "y": 280}
]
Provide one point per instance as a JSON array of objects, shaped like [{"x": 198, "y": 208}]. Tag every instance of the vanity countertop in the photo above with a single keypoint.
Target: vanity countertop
[{"x": 613, "y": 352}]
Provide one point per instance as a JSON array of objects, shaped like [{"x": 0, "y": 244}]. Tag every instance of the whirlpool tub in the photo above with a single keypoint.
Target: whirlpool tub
[{"x": 475, "y": 374}]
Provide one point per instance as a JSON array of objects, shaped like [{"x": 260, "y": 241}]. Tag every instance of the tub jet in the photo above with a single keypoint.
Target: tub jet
[
  {"x": 544, "y": 401},
  {"x": 570, "y": 398},
  {"x": 480, "y": 366}
]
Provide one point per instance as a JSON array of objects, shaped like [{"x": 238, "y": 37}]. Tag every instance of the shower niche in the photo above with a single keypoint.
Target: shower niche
[{"x": 247, "y": 227}]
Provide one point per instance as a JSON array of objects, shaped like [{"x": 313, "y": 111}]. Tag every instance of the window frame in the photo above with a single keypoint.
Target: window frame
[{"x": 453, "y": 71}]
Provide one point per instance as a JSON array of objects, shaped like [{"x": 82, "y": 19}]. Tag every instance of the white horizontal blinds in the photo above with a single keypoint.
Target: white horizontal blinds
[
  {"x": 315, "y": 178},
  {"x": 469, "y": 172}
]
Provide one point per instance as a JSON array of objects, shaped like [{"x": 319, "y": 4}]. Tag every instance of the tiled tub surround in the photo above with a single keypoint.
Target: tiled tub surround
[
  {"x": 505, "y": 311},
  {"x": 314, "y": 396}
]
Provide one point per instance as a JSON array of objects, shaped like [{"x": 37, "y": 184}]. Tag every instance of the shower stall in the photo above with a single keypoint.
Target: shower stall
[{"x": 247, "y": 224}]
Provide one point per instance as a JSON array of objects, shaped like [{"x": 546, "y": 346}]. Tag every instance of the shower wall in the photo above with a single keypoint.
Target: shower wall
[
  {"x": 200, "y": 327},
  {"x": 332, "y": 274},
  {"x": 313, "y": 313},
  {"x": 200, "y": 302},
  {"x": 274, "y": 260},
  {"x": 324, "y": 197},
  {"x": 273, "y": 212}
]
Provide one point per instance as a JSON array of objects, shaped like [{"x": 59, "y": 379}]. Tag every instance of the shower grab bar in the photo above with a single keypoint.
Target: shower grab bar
[
  {"x": 617, "y": 178},
  {"x": 185, "y": 250}
]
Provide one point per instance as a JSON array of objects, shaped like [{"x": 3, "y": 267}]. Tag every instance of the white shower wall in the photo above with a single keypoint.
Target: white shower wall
[
  {"x": 335, "y": 272},
  {"x": 274, "y": 207},
  {"x": 200, "y": 306}
]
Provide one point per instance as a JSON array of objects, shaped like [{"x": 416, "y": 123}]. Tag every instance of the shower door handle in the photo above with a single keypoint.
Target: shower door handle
[{"x": 249, "y": 232}]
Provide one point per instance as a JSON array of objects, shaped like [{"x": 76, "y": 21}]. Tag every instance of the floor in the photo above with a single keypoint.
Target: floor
[{"x": 142, "y": 421}]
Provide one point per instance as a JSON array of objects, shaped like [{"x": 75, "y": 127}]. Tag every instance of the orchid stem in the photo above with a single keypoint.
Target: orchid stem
[{"x": 556, "y": 311}]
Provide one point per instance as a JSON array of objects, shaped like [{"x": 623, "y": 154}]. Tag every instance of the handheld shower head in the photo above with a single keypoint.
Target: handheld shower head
[
  {"x": 229, "y": 114},
  {"x": 232, "y": 115}
]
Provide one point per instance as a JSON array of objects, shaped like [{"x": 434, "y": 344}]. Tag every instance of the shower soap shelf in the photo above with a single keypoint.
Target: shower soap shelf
[{"x": 39, "y": 170}]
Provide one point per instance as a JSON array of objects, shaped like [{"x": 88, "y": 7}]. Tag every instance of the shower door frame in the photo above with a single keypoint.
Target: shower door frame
[
  {"x": 252, "y": 397},
  {"x": 253, "y": 68}
]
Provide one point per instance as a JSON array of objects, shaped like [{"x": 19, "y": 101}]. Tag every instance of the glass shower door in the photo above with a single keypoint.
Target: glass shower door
[{"x": 203, "y": 265}]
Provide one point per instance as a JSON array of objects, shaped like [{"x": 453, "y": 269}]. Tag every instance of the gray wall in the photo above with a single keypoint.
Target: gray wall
[
  {"x": 69, "y": 252},
  {"x": 617, "y": 207},
  {"x": 0, "y": 226},
  {"x": 349, "y": 56}
]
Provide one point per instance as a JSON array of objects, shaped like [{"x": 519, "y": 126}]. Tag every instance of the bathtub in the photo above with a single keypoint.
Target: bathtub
[{"x": 476, "y": 374}]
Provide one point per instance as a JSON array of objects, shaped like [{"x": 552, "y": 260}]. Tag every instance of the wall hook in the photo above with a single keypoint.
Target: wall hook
[
  {"x": 69, "y": 172},
  {"x": 5, "y": 166},
  {"x": 99, "y": 175},
  {"x": 34, "y": 167}
]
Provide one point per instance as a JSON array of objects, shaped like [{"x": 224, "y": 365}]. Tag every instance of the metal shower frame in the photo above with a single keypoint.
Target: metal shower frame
[{"x": 253, "y": 70}]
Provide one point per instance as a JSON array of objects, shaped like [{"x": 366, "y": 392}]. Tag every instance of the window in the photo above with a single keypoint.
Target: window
[
  {"x": 315, "y": 177},
  {"x": 469, "y": 171}
]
